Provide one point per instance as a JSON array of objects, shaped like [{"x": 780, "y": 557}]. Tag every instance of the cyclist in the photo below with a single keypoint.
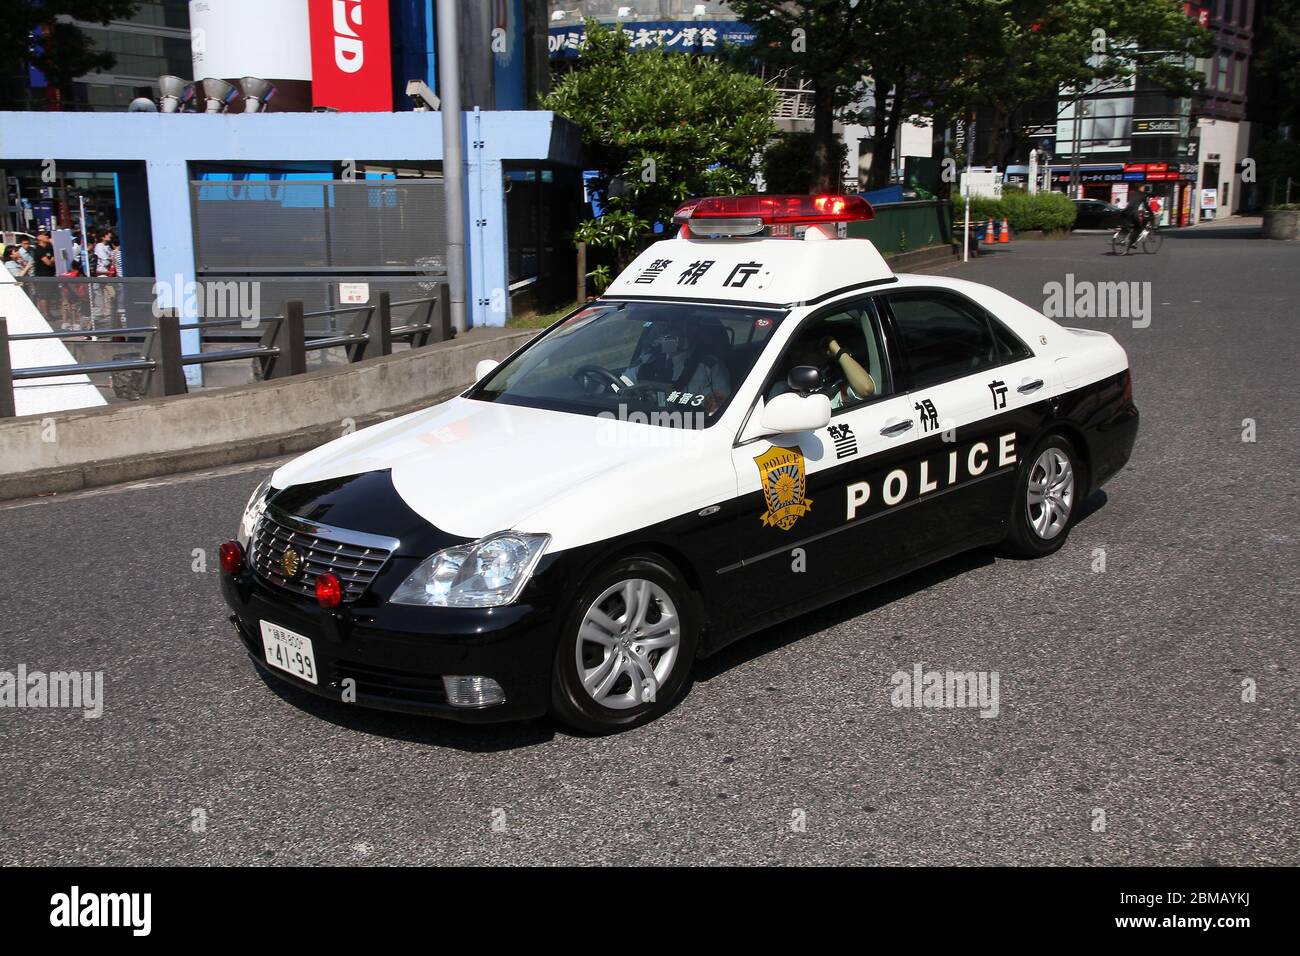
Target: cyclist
[{"x": 1137, "y": 214}]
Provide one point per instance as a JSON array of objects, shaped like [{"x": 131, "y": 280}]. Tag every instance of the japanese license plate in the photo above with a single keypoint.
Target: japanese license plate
[{"x": 289, "y": 651}]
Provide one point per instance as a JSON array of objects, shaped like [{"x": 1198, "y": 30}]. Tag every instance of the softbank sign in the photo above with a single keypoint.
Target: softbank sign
[{"x": 351, "y": 68}]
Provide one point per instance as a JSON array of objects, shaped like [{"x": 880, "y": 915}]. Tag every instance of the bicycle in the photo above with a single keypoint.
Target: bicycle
[{"x": 1149, "y": 239}]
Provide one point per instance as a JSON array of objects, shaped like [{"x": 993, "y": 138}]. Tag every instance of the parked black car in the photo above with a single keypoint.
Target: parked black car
[{"x": 1095, "y": 214}]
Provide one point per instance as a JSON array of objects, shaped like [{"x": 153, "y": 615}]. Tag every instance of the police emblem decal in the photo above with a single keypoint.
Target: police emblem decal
[
  {"x": 290, "y": 563},
  {"x": 781, "y": 470}
]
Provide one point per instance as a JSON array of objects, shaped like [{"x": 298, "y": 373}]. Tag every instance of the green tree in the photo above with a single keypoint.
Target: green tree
[
  {"x": 64, "y": 52},
  {"x": 824, "y": 42},
  {"x": 1030, "y": 50},
  {"x": 943, "y": 57},
  {"x": 785, "y": 163},
  {"x": 661, "y": 127},
  {"x": 1277, "y": 57},
  {"x": 1275, "y": 99}
]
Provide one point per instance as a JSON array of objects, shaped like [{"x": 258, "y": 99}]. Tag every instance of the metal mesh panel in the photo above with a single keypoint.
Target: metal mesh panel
[
  {"x": 318, "y": 294},
  {"x": 310, "y": 226},
  {"x": 92, "y": 304}
]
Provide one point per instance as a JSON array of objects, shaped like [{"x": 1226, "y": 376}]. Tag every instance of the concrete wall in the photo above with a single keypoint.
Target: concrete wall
[{"x": 90, "y": 447}]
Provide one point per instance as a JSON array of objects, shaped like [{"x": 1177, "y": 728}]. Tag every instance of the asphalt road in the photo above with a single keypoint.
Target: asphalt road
[{"x": 1121, "y": 691}]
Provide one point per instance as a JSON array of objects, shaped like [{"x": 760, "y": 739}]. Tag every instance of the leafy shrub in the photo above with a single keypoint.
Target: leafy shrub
[{"x": 1046, "y": 211}]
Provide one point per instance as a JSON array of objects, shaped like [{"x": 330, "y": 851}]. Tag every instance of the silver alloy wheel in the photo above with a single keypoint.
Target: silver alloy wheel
[
  {"x": 1050, "y": 496},
  {"x": 627, "y": 644}
]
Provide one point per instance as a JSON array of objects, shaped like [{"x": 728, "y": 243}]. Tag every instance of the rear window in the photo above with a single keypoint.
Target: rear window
[{"x": 942, "y": 337}]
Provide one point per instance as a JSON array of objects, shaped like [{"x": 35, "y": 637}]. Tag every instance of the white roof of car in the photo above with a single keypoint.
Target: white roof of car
[{"x": 762, "y": 271}]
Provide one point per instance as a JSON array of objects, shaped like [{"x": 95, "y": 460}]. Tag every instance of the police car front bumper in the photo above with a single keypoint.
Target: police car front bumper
[{"x": 394, "y": 657}]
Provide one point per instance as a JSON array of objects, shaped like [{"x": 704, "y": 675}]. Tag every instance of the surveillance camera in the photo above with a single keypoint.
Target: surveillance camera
[
  {"x": 558, "y": 15},
  {"x": 422, "y": 98},
  {"x": 142, "y": 104}
]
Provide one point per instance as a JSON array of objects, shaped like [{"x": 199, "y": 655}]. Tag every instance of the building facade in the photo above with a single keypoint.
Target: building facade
[
  {"x": 336, "y": 182},
  {"x": 155, "y": 41},
  {"x": 1222, "y": 108}
]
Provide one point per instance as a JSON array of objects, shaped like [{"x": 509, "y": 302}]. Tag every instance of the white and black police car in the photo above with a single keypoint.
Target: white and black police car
[{"x": 757, "y": 417}]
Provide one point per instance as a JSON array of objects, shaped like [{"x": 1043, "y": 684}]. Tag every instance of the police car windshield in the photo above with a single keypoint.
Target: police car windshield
[{"x": 675, "y": 364}]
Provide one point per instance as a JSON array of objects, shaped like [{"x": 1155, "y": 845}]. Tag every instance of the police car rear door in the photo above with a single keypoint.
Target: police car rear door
[{"x": 973, "y": 385}]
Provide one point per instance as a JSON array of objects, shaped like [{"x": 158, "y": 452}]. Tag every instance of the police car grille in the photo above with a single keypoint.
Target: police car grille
[{"x": 354, "y": 565}]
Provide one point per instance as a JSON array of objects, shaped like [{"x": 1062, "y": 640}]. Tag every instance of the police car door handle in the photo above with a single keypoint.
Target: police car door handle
[
  {"x": 896, "y": 429},
  {"x": 1028, "y": 387}
]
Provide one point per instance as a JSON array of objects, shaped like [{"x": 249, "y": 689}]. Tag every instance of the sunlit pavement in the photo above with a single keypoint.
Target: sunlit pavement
[{"x": 1122, "y": 735}]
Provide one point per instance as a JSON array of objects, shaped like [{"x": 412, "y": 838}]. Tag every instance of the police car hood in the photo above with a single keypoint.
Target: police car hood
[{"x": 472, "y": 468}]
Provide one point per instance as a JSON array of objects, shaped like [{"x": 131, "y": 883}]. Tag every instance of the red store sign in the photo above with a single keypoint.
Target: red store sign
[{"x": 351, "y": 66}]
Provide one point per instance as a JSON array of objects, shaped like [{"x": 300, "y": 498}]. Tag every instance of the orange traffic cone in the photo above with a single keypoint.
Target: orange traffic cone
[
  {"x": 1005, "y": 234},
  {"x": 991, "y": 231}
]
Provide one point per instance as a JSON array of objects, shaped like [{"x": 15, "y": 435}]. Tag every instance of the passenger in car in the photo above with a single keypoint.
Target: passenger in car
[{"x": 844, "y": 380}]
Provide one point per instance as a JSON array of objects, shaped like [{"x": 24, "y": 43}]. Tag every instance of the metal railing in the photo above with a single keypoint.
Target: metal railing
[{"x": 281, "y": 348}]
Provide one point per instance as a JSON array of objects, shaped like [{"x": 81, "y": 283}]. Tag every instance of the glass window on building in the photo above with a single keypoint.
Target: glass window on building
[
  {"x": 164, "y": 13},
  {"x": 1221, "y": 82}
]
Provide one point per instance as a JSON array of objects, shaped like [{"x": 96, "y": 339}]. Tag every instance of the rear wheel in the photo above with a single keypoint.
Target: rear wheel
[
  {"x": 627, "y": 647},
  {"x": 1046, "y": 499}
]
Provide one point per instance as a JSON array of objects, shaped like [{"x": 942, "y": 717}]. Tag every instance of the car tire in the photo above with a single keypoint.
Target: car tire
[
  {"x": 635, "y": 620},
  {"x": 1048, "y": 493}
]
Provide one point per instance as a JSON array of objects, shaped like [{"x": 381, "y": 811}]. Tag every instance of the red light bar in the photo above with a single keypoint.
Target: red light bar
[{"x": 778, "y": 210}]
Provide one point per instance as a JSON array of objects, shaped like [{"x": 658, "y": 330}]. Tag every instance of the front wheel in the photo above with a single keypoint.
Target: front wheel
[
  {"x": 627, "y": 647},
  {"x": 1152, "y": 242},
  {"x": 1046, "y": 498}
]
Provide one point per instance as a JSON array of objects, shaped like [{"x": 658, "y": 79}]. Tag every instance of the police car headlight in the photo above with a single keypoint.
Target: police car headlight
[
  {"x": 485, "y": 573},
  {"x": 253, "y": 511}
]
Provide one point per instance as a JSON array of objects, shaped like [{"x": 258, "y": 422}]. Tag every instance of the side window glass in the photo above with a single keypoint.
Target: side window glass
[
  {"x": 941, "y": 337},
  {"x": 845, "y": 346},
  {"x": 1012, "y": 349}
]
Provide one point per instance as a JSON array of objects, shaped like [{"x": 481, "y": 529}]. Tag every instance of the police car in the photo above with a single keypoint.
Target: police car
[{"x": 757, "y": 418}]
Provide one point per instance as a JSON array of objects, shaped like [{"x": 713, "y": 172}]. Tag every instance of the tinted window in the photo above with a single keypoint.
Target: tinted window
[
  {"x": 673, "y": 364},
  {"x": 1010, "y": 347},
  {"x": 942, "y": 337},
  {"x": 845, "y": 347}
]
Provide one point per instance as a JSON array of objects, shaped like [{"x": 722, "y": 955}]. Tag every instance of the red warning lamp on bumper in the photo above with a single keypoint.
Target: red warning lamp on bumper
[
  {"x": 232, "y": 557},
  {"x": 748, "y": 215},
  {"x": 329, "y": 590}
]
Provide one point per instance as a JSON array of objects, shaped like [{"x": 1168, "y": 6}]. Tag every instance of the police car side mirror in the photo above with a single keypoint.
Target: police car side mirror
[
  {"x": 790, "y": 412},
  {"x": 483, "y": 367},
  {"x": 804, "y": 379}
]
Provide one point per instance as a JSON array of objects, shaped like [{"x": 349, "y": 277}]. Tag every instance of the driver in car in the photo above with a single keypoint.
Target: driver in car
[
  {"x": 677, "y": 361},
  {"x": 844, "y": 380}
]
